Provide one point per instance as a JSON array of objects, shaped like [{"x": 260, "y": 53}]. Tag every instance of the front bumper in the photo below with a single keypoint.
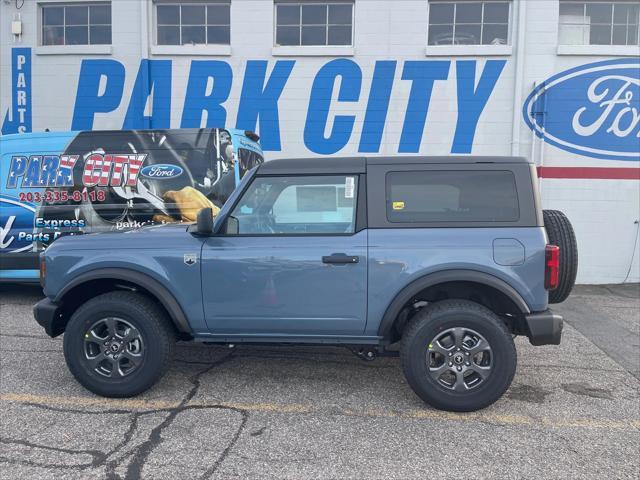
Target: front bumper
[
  {"x": 49, "y": 315},
  {"x": 544, "y": 328}
]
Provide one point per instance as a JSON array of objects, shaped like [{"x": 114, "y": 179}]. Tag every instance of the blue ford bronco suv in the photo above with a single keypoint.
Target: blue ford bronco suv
[{"x": 444, "y": 259}]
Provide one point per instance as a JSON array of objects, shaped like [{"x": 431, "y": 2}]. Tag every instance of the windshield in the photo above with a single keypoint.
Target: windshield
[{"x": 248, "y": 160}]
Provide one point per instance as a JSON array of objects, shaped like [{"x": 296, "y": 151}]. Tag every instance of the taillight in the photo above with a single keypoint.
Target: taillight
[{"x": 551, "y": 267}]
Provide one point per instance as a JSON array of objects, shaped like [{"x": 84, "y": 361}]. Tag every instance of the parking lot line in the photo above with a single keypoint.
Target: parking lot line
[{"x": 498, "y": 419}]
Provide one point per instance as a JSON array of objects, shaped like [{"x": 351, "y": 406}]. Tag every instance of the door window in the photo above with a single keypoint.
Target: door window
[{"x": 302, "y": 205}]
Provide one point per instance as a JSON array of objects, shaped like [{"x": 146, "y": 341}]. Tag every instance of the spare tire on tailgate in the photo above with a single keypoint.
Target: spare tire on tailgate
[{"x": 560, "y": 233}]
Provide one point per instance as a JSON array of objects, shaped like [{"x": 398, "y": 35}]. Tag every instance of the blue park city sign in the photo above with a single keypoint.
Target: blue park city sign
[{"x": 592, "y": 110}]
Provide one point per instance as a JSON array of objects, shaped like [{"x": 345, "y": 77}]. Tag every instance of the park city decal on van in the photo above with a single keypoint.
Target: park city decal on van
[{"x": 591, "y": 110}]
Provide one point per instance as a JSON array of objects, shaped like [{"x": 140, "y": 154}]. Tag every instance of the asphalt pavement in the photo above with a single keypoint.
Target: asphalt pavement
[{"x": 271, "y": 412}]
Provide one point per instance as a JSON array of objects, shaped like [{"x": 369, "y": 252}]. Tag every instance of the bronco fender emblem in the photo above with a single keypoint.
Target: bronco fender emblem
[{"x": 190, "y": 259}]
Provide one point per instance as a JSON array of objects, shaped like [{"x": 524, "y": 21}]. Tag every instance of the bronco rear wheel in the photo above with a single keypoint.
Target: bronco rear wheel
[
  {"x": 457, "y": 355},
  {"x": 118, "y": 344}
]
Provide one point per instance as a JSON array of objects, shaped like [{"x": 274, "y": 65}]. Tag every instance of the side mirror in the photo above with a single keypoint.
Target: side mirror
[
  {"x": 232, "y": 226},
  {"x": 204, "y": 221}
]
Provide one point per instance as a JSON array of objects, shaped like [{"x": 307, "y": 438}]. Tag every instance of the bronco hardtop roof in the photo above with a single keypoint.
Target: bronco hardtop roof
[{"x": 339, "y": 165}]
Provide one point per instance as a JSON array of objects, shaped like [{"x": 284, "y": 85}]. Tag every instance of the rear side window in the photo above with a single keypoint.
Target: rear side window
[{"x": 451, "y": 196}]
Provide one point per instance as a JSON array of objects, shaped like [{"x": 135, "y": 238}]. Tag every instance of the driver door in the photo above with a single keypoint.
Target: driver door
[{"x": 296, "y": 266}]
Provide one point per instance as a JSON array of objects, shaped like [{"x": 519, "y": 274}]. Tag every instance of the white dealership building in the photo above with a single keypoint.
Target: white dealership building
[{"x": 556, "y": 81}]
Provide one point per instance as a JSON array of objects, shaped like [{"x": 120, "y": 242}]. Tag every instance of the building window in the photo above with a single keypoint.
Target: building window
[
  {"x": 317, "y": 23},
  {"x": 76, "y": 24},
  {"x": 193, "y": 23},
  {"x": 599, "y": 23},
  {"x": 465, "y": 22}
]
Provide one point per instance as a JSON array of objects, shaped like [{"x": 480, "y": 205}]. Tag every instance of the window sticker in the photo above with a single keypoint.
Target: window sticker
[
  {"x": 349, "y": 187},
  {"x": 398, "y": 205}
]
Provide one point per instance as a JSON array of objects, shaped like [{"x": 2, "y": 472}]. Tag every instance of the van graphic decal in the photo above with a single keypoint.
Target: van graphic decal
[
  {"x": 161, "y": 171},
  {"x": 591, "y": 110},
  {"x": 16, "y": 225},
  {"x": 71, "y": 183}
]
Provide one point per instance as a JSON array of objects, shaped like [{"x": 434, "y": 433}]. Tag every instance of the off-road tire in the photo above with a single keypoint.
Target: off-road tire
[
  {"x": 560, "y": 233},
  {"x": 147, "y": 317},
  {"x": 438, "y": 317}
]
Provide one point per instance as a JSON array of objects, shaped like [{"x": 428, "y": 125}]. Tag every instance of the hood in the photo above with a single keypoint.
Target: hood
[{"x": 148, "y": 237}]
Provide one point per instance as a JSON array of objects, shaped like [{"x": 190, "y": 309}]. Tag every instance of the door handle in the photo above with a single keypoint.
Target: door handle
[{"x": 340, "y": 259}]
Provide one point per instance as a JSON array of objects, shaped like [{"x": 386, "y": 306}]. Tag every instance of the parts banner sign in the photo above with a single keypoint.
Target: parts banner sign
[{"x": 18, "y": 118}]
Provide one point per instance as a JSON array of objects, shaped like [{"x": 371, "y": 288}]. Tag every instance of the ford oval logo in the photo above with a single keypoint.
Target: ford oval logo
[
  {"x": 591, "y": 110},
  {"x": 160, "y": 171},
  {"x": 16, "y": 225}
]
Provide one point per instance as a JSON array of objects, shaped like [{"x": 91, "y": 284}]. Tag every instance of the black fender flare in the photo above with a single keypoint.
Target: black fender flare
[
  {"x": 153, "y": 286},
  {"x": 431, "y": 279}
]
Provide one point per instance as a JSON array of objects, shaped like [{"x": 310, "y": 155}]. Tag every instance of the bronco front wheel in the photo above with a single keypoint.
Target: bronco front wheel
[
  {"x": 118, "y": 344},
  {"x": 457, "y": 355}
]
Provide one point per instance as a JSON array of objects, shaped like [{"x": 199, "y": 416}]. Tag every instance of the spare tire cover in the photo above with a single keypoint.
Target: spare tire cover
[{"x": 560, "y": 233}]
